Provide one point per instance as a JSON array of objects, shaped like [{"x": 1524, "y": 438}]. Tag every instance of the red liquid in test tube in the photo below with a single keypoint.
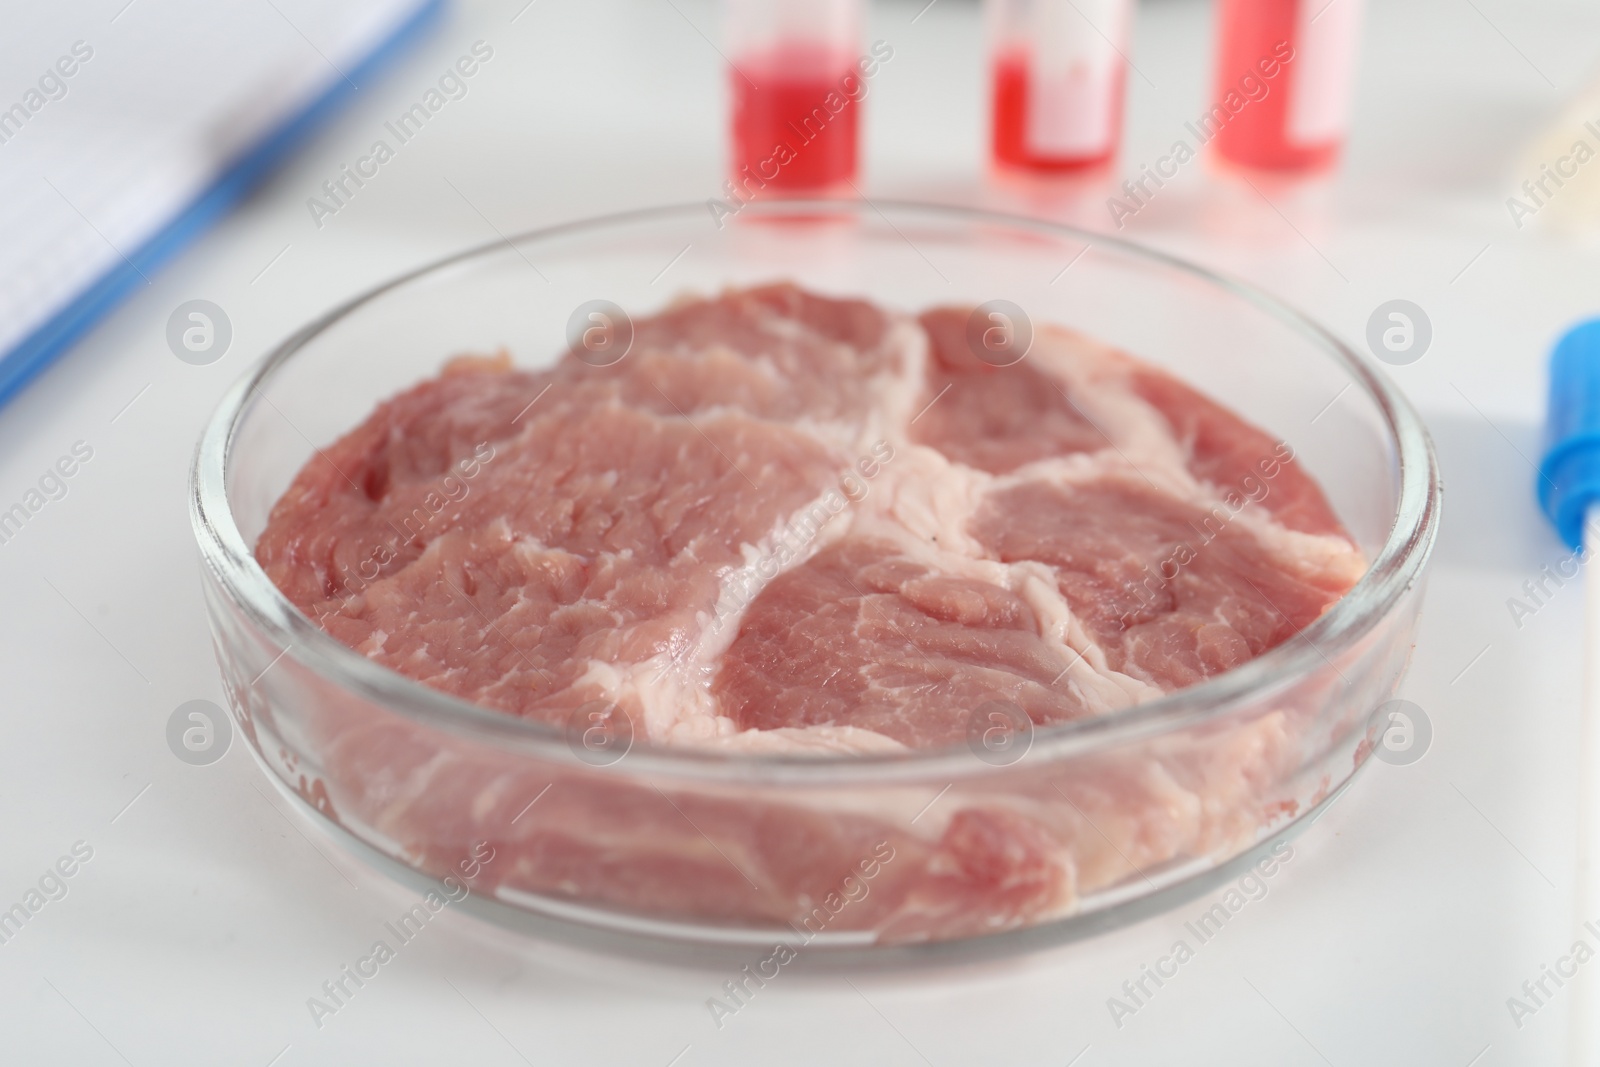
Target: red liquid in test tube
[
  {"x": 1057, "y": 77},
  {"x": 783, "y": 129},
  {"x": 797, "y": 83},
  {"x": 1284, "y": 74}
]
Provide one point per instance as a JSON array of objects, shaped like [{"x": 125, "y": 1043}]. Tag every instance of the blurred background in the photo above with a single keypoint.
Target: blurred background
[{"x": 201, "y": 159}]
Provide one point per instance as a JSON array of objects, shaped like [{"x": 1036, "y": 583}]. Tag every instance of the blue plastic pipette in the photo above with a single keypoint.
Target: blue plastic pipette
[{"x": 1569, "y": 486}]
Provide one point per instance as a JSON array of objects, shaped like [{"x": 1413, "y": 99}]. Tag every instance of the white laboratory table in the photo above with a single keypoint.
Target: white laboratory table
[{"x": 210, "y": 910}]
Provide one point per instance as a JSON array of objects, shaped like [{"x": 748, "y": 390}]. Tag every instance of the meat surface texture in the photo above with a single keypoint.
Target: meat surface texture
[{"x": 791, "y": 524}]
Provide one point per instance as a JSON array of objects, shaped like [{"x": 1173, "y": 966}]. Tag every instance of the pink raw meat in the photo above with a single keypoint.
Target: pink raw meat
[
  {"x": 592, "y": 525},
  {"x": 994, "y": 418},
  {"x": 533, "y": 541},
  {"x": 1107, "y": 541},
  {"x": 861, "y": 636}
]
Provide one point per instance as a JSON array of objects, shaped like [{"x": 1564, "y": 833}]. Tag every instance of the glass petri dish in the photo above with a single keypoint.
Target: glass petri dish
[{"x": 1077, "y": 827}]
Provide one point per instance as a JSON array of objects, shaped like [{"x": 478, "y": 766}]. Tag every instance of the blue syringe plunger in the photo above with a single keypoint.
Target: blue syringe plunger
[{"x": 1569, "y": 476}]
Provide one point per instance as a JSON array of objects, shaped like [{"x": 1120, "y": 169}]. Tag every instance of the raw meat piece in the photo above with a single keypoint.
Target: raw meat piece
[
  {"x": 568, "y": 545},
  {"x": 1113, "y": 542},
  {"x": 862, "y": 636},
  {"x": 789, "y": 524}
]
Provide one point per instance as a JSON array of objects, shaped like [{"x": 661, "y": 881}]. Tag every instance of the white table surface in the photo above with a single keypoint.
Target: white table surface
[{"x": 211, "y": 911}]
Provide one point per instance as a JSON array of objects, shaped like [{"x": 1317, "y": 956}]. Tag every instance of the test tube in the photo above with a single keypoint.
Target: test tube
[
  {"x": 797, "y": 86},
  {"x": 1057, "y": 72},
  {"x": 1283, "y": 81}
]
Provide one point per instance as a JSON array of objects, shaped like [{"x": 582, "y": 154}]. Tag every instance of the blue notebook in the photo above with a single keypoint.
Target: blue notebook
[{"x": 125, "y": 134}]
